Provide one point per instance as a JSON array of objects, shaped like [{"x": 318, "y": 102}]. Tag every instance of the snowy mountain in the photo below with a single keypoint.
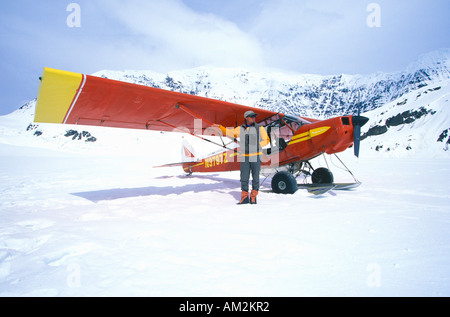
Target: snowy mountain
[
  {"x": 417, "y": 123},
  {"x": 306, "y": 95},
  {"x": 409, "y": 110}
]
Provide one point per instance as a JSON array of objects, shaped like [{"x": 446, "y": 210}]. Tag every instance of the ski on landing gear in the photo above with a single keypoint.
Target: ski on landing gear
[
  {"x": 320, "y": 189},
  {"x": 322, "y": 180}
]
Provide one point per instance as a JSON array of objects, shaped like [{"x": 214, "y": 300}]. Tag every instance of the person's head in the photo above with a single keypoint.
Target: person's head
[{"x": 250, "y": 117}]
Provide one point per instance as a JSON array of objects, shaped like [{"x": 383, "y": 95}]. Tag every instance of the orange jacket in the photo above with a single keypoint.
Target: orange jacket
[{"x": 249, "y": 149}]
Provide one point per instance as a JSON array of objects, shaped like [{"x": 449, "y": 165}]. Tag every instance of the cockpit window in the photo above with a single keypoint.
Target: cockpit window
[{"x": 281, "y": 127}]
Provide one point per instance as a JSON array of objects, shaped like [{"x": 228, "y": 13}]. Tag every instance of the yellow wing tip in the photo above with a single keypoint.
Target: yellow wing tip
[{"x": 57, "y": 91}]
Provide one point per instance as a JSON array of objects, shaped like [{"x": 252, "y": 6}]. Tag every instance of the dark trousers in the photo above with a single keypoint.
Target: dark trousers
[{"x": 253, "y": 166}]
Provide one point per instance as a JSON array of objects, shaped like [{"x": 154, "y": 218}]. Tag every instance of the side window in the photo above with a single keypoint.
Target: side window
[
  {"x": 286, "y": 133},
  {"x": 282, "y": 127}
]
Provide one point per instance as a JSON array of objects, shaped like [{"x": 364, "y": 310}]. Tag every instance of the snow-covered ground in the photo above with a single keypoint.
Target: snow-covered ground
[{"x": 79, "y": 224}]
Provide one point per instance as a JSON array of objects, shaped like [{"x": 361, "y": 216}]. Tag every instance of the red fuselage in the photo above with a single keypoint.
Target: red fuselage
[{"x": 302, "y": 142}]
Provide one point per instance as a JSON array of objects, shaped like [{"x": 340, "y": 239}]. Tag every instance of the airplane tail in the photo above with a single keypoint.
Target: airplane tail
[
  {"x": 187, "y": 152},
  {"x": 187, "y": 156}
]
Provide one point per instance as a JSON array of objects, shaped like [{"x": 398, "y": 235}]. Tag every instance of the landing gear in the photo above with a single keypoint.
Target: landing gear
[
  {"x": 284, "y": 183},
  {"x": 322, "y": 180},
  {"x": 322, "y": 176}
]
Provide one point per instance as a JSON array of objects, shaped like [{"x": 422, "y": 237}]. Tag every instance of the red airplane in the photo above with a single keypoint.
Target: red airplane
[{"x": 72, "y": 98}]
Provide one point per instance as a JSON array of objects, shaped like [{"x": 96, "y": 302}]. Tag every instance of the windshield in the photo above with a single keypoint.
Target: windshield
[{"x": 282, "y": 126}]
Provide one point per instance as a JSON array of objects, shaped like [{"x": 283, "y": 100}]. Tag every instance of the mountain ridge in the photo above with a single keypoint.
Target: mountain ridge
[{"x": 318, "y": 96}]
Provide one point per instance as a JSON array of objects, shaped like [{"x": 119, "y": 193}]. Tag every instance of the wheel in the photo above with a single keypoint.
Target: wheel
[
  {"x": 284, "y": 183},
  {"x": 322, "y": 176}
]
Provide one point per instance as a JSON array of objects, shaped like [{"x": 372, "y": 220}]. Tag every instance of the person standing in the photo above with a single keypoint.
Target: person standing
[{"x": 252, "y": 138}]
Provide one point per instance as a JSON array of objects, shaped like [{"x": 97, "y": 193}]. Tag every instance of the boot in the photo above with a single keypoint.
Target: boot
[
  {"x": 244, "y": 198},
  {"x": 253, "y": 195}
]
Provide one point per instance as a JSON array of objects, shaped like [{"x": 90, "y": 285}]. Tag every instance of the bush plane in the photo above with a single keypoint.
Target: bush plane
[{"x": 71, "y": 98}]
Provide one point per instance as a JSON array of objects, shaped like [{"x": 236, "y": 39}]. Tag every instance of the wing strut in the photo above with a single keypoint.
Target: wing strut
[
  {"x": 193, "y": 114},
  {"x": 196, "y": 116},
  {"x": 193, "y": 134}
]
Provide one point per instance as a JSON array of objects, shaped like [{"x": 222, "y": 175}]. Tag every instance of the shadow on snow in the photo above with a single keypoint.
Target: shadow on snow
[{"x": 221, "y": 184}]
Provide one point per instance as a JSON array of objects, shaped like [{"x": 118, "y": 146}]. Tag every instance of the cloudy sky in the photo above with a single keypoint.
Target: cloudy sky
[{"x": 302, "y": 36}]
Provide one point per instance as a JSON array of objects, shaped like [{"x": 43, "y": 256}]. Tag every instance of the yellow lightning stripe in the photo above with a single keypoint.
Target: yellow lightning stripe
[
  {"x": 57, "y": 91},
  {"x": 309, "y": 135}
]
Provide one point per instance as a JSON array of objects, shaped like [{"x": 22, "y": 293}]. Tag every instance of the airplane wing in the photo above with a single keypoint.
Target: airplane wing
[{"x": 72, "y": 98}]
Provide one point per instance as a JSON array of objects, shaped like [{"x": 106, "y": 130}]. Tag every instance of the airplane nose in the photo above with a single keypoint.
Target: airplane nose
[{"x": 358, "y": 122}]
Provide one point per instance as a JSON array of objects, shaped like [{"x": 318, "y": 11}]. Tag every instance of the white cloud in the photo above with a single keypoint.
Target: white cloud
[
  {"x": 329, "y": 37},
  {"x": 171, "y": 33},
  {"x": 310, "y": 35}
]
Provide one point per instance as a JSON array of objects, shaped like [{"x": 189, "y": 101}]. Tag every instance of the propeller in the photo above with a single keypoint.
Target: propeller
[{"x": 358, "y": 121}]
